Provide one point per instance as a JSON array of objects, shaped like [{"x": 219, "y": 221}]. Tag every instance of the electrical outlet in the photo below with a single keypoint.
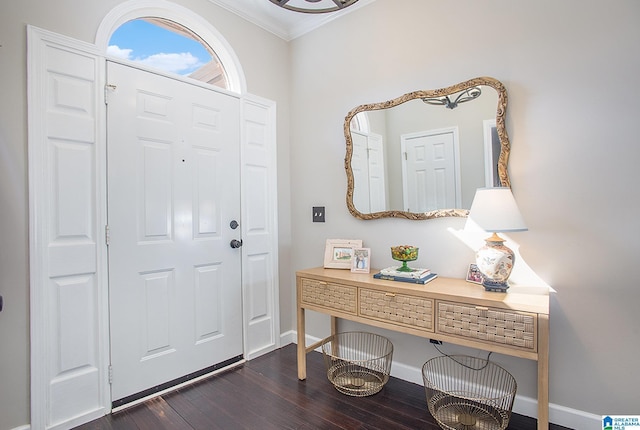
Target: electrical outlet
[
  {"x": 318, "y": 214},
  {"x": 435, "y": 342}
]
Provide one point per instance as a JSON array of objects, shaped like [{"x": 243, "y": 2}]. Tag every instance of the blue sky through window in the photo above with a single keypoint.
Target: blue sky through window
[{"x": 156, "y": 47}]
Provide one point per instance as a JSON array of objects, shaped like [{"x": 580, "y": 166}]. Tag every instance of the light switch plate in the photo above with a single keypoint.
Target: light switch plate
[{"x": 318, "y": 214}]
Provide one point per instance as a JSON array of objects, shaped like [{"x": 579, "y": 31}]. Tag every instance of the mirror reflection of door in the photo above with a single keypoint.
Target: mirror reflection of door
[
  {"x": 369, "y": 172},
  {"x": 430, "y": 170}
]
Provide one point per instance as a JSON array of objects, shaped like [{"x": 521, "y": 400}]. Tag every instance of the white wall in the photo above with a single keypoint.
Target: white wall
[
  {"x": 570, "y": 69},
  {"x": 265, "y": 60}
]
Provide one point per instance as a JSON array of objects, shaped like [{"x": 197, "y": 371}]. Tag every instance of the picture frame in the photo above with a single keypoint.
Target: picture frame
[
  {"x": 361, "y": 261},
  {"x": 338, "y": 253},
  {"x": 473, "y": 274}
]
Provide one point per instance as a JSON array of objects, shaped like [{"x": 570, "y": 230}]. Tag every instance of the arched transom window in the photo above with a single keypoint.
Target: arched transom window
[{"x": 165, "y": 45}]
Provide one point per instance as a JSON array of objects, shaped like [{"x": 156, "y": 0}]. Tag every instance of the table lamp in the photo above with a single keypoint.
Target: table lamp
[{"x": 495, "y": 210}]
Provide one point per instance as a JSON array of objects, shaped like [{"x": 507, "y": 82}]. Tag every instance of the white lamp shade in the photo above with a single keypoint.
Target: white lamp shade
[{"x": 495, "y": 210}]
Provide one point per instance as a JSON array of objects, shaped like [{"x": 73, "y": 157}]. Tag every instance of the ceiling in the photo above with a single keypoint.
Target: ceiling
[{"x": 283, "y": 23}]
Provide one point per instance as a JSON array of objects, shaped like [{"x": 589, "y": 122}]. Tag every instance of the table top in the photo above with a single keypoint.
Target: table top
[{"x": 520, "y": 298}]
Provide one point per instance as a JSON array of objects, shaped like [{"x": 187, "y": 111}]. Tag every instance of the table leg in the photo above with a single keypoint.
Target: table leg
[
  {"x": 302, "y": 346},
  {"x": 543, "y": 372},
  {"x": 334, "y": 325}
]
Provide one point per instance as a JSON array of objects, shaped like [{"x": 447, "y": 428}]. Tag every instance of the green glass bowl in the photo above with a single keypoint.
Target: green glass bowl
[{"x": 404, "y": 253}]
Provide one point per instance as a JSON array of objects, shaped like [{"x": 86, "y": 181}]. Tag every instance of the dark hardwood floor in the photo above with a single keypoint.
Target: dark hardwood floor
[{"x": 265, "y": 394}]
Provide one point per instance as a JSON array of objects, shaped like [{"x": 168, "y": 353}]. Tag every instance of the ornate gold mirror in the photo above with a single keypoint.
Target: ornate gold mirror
[{"x": 424, "y": 154}]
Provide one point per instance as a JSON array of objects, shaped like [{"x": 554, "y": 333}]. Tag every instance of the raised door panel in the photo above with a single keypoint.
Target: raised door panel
[
  {"x": 208, "y": 307},
  {"x": 155, "y": 210},
  {"x": 206, "y": 214},
  {"x": 154, "y": 323}
]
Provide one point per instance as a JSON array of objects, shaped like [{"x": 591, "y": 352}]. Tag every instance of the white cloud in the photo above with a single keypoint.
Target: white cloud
[
  {"x": 180, "y": 63},
  {"x": 174, "y": 63},
  {"x": 116, "y": 51}
]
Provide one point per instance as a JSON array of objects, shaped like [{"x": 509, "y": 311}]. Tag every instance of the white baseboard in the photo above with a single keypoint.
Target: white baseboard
[
  {"x": 288, "y": 337},
  {"x": 25, "y": 427},
  {"x": 560, "y": 415},
  {"x": 574, "y": 418}
]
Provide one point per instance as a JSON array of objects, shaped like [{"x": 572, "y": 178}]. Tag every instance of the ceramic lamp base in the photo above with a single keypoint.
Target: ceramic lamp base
[
  {"x": 498, "y": 287},
  {"x": 495, "y": 262}
]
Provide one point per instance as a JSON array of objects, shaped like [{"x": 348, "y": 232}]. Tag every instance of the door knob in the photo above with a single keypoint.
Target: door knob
[{"x": 236, "y": 243}]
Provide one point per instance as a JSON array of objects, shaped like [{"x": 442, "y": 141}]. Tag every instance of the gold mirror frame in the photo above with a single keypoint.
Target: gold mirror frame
[{"x": 439, "y": 213}]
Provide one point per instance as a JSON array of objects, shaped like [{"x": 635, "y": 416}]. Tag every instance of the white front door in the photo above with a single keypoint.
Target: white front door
[
  {"x": 430, "y": 170},
  {"x": 173, "y": 191}
]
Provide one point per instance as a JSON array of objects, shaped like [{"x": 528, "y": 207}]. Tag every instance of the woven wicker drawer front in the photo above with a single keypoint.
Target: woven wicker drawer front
[
  {"x": 487, "y": 324},
  {"x": 416, "y": 312},
  {"x": 334, "y": 296}
]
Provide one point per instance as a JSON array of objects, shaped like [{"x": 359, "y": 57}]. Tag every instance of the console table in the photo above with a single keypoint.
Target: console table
[{"x": 515, "y": 323}]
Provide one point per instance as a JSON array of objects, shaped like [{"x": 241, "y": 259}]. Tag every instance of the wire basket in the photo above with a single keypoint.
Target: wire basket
[
  {"x": 465, "y": 393},
  {"x": 358, "y": 363}
]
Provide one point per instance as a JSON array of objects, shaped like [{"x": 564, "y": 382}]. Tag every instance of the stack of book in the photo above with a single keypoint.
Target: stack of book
[{"x": 416, "y": 276}]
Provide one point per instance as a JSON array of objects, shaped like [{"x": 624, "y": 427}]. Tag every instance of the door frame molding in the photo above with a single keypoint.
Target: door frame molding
[{"x": 40, "y": 262}]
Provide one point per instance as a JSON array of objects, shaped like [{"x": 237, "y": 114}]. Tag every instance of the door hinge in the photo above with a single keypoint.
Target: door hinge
[
  {"x": 110, "y": 374},
  {"x": 107, "y": 235},
  {"x": 107, "y": 88},
  {"x": 405, "y": 156}
]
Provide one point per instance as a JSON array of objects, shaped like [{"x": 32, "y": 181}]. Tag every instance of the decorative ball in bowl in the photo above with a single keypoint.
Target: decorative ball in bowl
[{"x": 404, "y": 253}]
